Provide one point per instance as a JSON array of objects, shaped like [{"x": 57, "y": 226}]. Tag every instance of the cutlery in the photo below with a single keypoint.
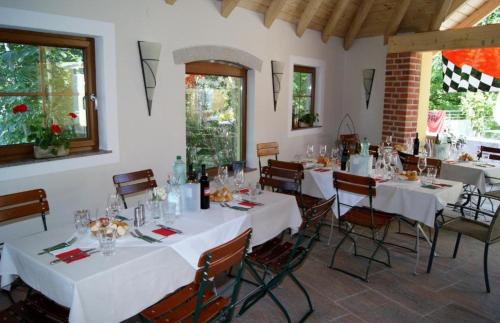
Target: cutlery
[
  {"x": 121, "y": 217},
  {"x": 239, "y": 208},
  {"x": 222, "y": 204},
  {"x": 88, "y": 252},
  {"x": 170, "y": 228},
  {"x": 139, "y": 237},
  {"x": 139, "y": 233},
  {"x": 58, "y": 246},
  {"x": 256, "y": 203}
]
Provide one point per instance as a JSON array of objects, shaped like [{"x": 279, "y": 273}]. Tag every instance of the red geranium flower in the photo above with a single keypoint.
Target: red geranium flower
[
  {"x": 55, "y": 129},
  {"x": 72, "y": 115},
  {"x": 20, "y": 108}
]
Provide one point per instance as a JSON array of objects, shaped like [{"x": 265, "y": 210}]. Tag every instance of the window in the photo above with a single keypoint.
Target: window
[
  {"x": 303, "y": 114},
  {"x": 215, "y": 113},
  {"x": 53, "y": 75}
]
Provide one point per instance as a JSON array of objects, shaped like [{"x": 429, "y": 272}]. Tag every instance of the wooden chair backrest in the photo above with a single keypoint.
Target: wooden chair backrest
[
  {"x": 281, "y": 179},
  {"x": 286, "y": 165},
  {"x": 268, "y": 149},
  {"x": 411, "y": 163},
  {"x": 221, "y": 258},
  {"x": 351, "y": 138},
  {"x": 494, "y": 157},
  {"x": 353, "y": 183},
  {"x": 315, "y": 214},
  {"x": 23, "y": 204},
  {"x": 139, "y": 181}
]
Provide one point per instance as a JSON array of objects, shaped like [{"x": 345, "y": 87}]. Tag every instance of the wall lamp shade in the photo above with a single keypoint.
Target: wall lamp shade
[
  {"x": 368, "y": 76},
  {"x": 277, "y": 69},
  {"x": 149, "y": 54}
]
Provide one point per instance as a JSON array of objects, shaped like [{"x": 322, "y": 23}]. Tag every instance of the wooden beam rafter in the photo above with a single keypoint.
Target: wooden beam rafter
[
  {"x": 440, "y": 15},
  {"x": 273, "y": 11},
  {"x": 357, "y": 22},
  {"x": 473, "y": 37},
  {"x": 333, "y": 21},
  {"x": 396, "y": 19},
  {"x": 227, "y": 7},
  {"x": 488, "y": 7},
  {"x": 307, "y": 16},
  {"x": 170, "y": 2}
]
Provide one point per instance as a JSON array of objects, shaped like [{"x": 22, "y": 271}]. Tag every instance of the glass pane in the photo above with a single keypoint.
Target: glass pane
[
  {"x": 64, "y": 79},
  {"x": 302, "y": 84},
  {"x": 213, "y": 119},
  {"x": 14, "y": 123},
  {"x": 19, "y": 68}
]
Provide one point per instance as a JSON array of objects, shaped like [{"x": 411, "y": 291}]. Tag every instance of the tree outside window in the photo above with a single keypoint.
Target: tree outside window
[{"x": 304, "y": 81}]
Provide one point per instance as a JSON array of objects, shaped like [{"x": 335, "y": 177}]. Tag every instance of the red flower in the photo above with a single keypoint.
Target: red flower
[
  {"x": 72, "y": 115},
  {"x": 20, "y": 108},
  {"x": 55, "y": 129}
]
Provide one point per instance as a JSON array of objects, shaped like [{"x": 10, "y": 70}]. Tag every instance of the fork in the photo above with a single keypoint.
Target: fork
[
  {"x": 58, "y": 246},
  {"x": 139, "y": 237},
  {"x": 139, "y": 233}
]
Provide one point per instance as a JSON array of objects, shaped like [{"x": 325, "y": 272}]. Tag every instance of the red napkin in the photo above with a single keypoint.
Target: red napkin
[
  {"x": 72, "y": 255},
  {"x": 321, "y": 170},
  {"x": 244, "y": 190},
  {"x": 246, "y": 203},
  {"x": 164, "y": 232}
]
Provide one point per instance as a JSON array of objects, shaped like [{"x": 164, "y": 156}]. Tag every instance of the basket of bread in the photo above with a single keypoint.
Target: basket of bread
[
  {"x": 465, "y": 157},
  {"x": 409, "y": 175},
  {"x": 108, "y": 224},
  {"x": 222, "y": 194},
  {"x": 324, "y": 161}
]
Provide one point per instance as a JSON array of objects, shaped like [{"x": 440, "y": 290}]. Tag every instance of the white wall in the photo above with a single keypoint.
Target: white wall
[
  {"x": 153, "y": 142},
  {"x": 365, "y": 53}
]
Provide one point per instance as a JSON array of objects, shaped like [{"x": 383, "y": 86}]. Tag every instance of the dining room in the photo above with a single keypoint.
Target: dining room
[{"x": 249, "y": 160}]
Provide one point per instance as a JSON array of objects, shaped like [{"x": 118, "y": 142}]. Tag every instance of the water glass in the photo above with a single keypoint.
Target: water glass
[
  {"x": 239, "y": 180},
  {"x": 422, "y": 163},
  {"x": 322, "y": 150},
  {"x": 156, "y": 209},
  {"x": 114, "y": 205},
  {"x": 222, "y": 175},
  {"x": 310, "y": 151},
  {"x": 431, "y": 174},
  {"x": 82, "y": 220},
  {"x": 107, "y": 240}
]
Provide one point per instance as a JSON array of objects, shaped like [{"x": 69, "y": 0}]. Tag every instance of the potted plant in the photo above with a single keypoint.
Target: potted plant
[
  {"x": 307, "y": 120},
  {"x": 49, "y": 138}
]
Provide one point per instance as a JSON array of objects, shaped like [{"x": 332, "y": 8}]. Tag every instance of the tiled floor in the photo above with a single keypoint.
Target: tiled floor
[{"x": 453, "y": 292}]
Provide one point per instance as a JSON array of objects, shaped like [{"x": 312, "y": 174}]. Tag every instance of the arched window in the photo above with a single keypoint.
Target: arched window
[{"x": 215, "y": 113}]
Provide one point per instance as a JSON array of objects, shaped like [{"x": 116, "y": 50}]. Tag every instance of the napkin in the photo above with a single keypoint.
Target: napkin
[
  {"x": 321, "y": 170},
  {"x": 247, "y": 204},
  {"x": 432, "y": 187},
  {"x": 72, "y": 255},
  {"x": 244, "y": 190},
  {"x": 164, "y": 232}
]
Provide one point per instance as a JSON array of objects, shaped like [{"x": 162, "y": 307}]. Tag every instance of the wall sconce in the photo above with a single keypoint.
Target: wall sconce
[
  {"x": 277, "y": 73},
  {"x": 368, "y": 75},
  {"x": 150, "y": 58}
]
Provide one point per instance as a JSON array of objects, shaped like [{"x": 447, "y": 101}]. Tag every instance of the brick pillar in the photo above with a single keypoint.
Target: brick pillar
[{"x": 402, "y": 84}]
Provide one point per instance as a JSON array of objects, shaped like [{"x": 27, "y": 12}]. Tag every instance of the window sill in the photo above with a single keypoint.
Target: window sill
[
  {"x": 314, "y": 130},
  {"x": 305, "y": 128},
  {"x": 34, "y": 167}
]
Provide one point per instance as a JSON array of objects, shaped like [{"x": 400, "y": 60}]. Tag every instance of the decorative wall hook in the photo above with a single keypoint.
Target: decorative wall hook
[
  {"x": 277, "y": 73},
  {"x": 149, "y": 54}
]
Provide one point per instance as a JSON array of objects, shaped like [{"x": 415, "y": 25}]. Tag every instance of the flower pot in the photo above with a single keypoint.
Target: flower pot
[{"x": 50, "y": 152}]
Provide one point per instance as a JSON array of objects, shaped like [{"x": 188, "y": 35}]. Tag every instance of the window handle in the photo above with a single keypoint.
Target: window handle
[{"x": 93, "y": 98}]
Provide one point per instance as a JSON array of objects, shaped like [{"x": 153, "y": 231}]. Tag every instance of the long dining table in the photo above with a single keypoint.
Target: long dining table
[
  {"x": 475, "y": 173},
  {"x": 113, "y": 288},
  {"x": 410, "y": 199}
]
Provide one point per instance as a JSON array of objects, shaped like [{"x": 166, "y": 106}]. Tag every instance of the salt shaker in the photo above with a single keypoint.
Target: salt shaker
[{"x": 142, "y": 214}]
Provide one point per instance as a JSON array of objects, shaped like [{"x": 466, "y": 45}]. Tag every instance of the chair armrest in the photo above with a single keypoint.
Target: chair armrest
[
  {"x": 469, "y": 195},
  {"x": 479, "y": 211}
]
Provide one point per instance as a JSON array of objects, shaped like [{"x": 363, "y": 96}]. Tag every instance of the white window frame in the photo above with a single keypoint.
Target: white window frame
[{"x": 105, "y": 57}]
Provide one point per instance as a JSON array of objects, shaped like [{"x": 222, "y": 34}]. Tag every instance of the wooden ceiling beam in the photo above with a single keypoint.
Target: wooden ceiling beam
[
  {"x": 440, "y": 15},
  {"x": 357, "y": 22},
  {"x": 473, "y": 37},
  {"x": 170, "y": 2},
  {"x": 333, "y": 21},
  {"x": 454, "y": 6},
  {"x": 396, "y": 19},
  {"x": 307, "y": 16},
  {"x": 273, "y": 11},
  {"x": 227, "y": 7},
  {"x": 488, "y": 7}
]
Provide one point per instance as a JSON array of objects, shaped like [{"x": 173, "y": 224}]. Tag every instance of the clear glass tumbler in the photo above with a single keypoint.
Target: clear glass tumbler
[{"x": 107, "y": 240}]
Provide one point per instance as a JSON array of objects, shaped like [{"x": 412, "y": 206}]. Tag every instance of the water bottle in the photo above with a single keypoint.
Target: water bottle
[
  {"x": 180, "y": 170},
  {"x": 364, "y": 147}
]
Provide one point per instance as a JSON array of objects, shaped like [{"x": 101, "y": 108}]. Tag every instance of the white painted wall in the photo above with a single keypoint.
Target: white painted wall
[
  {"x": 153, "y": 142},
  {"x": 365, "y": 53}
]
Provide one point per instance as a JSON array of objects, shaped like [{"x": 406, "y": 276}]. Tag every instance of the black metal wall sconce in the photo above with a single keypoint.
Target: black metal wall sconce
[
  {"x": 277, "y": 73},
  {"x": 368, "y": 76},
  {"x": 149, "y": 54}
]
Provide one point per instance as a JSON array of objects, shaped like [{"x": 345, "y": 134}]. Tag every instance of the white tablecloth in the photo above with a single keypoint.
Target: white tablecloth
[
  {"x": 471, "y": 173},
  {"x": 403, "y": 197},
  {"x": 111, "y": 289}
]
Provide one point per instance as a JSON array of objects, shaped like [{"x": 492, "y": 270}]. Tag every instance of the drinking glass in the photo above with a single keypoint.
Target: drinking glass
[
  {"x": 239, "y": 179},
  {"x": 82, "y": 220},
  {"x": 114, "y": 205},
  {"x": 107, "y": 240},
  {"x": 222, "y": 175},
  {"x": 431, "y": 174},
  {"x": 310, "y": 151},
  {"x": 422, "y": 163},
  {"x": 322, "y": 150}
]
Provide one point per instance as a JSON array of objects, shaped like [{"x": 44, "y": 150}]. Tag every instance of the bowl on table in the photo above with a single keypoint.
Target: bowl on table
[
  {"x": 222, "y": 194},
  {"x": 104, "y": 223},
  {"x": 409, "y": 175}
]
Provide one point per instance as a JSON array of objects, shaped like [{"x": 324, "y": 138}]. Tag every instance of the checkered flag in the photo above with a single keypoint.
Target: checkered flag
[{"x": 467, "y": 78}]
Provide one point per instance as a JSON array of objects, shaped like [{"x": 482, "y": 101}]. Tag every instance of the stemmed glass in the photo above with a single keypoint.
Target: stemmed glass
[
  {"x": 310, "y": 151},
  {"x": 322, "y": 150},
  {"x": 222, "y": 175},
  {"x": 114, "y": 205},
  {"x": 422, "y": 163},
  {"x": 239, "y": 179}
]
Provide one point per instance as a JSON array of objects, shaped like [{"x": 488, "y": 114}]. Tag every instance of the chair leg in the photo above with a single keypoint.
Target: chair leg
[
  {"x": 331, "y": 228},
  {"x": 297, "y": 282},
  {"x": 374, "y": 253},
  {"x": 486, "y": 279},
  {"x": 457, "y": 244},
  {"x": 433, "y": 248},
  {"x": 337, "y": 249}
]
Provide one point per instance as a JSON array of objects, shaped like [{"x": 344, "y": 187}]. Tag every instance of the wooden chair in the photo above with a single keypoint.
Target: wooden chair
[
  {"x": 410, "y": 162},
  {"x": 196, "y": 302},
  {"x": 135, "y": 182},
  {"x": 490, "y": 152},
  {"x": 23, "y": 204},
  {"x": 267, "y": 149},
  {"x": 351, "y": 140},
  {"x": 36, "y": 308},
  {"x": 279, "y": 257},
  {"x": 366, "y": 217},
  {"x": 488, "y": 234}
]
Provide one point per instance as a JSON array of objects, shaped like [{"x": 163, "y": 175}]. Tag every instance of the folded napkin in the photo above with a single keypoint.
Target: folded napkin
[
  {"x": 443, "y": 185},
  {"x": 321, "y": 170},
  {"x": 248, "y": 204},
  {"x": 244, "y": 190},
  {"x": 164, "y": 232},
  {"x": 432, "y": 187},
  {"x": 72, "y": 255}
]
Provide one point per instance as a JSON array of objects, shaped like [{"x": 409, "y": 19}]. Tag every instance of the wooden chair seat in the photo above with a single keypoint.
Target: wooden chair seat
[
  {"x": 471, "y": 228},
  {"x": 307, "y": 201},
  {"x": 362, "y": 216},
  {"x": 275, "y": 257},
  {"x": 9, "y": 315}
]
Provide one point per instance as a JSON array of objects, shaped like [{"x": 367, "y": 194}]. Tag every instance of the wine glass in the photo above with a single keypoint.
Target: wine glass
[
  {"x": 310, "y": 151},
  {"x": 114, "y": 205},
  {"x": 222, "y": 175},
  {"x": 322, "y": 150},
  {"x": 422, "y": 163},
  {"x": 239, "y": 179}
]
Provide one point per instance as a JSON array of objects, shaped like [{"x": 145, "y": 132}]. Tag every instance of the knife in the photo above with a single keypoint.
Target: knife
[
  {"x": 88, "y": 252},
  {"x": 170, "y": 228}
]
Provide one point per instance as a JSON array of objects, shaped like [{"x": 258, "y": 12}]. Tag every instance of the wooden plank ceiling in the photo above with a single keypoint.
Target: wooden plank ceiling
[{"x": 351, "y": 19}]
